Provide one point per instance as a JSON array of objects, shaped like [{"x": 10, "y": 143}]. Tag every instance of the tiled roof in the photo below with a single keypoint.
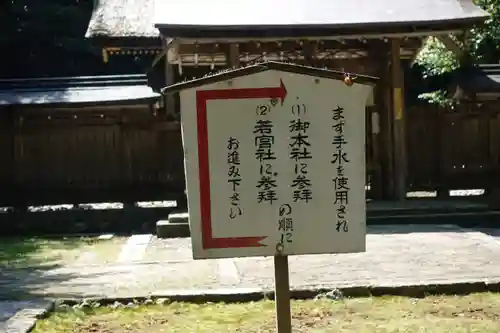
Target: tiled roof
[
  {"x": 77, "y": 90},
  {"x": 202, "y": 18},
  {"x": 123, "y": 18},
  {"x": 300, "y": 18}
]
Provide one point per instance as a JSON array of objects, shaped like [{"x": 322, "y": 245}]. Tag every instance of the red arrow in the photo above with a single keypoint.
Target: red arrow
[
  {"x": 243, "y": 93},
  {"x": 202, "y": 96}
]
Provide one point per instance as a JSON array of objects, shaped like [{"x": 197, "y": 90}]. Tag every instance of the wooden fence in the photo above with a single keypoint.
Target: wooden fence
[
  {"x": 454, "y": 148},
  {"x": 55, "y": 156}
]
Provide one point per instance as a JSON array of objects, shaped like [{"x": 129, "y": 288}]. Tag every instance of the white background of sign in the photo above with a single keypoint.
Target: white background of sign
[{"x": 314, "y": 223}]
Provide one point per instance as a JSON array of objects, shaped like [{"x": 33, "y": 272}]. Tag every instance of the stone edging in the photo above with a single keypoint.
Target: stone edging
[
  {"x": 255, "y": 294},
  {"x": 25, "y": 319}
]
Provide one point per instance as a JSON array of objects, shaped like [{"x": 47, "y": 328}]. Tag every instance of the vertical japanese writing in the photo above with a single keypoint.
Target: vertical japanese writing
[
  {"x": 234, "y": 176},
  {"x": 340, "y": 160},
  {"x": 300, "y": 153},
  {"x": 264, "y": 144},
  {"x": 285, "y": 223}
]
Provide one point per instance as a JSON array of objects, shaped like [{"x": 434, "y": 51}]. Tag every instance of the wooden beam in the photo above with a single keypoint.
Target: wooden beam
[
  {"x": 319, "y": 46},
  {"x": 284, "y": 50},
  {"x": 413, "y": 59},
  {"x": 399, "y": 137},
  {"x": 309, "y": 50},
  {"x": 269, "y": 47},
  {"x": 159, "y": 56},
  {"x": 170, "y": 105},
  {"x": 350, "y": 36},
  {"x": 451, "y": 45},
  {"x": 234, "y": 56}
]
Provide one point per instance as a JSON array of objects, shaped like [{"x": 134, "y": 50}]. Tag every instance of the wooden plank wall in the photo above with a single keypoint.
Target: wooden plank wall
[
  {"x": 55, "y": 156},
  {"x": 128, "y": 155},
  {"x": 454, "y": 148}
]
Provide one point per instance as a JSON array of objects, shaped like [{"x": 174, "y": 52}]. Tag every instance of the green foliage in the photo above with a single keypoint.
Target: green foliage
[
  {"x": 436, "y": 59},
  {"x": 480, "y": 45},
  {"x": 484, "y": 41},
  {"x": 437, "y": 97}
]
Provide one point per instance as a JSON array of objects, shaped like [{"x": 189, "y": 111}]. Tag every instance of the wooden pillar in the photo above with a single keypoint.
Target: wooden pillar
[
  {"x": 376, "y": 168},
  {"x": 399, "y": 136},
  {"x": 170, "y": 105},
  {"x": 173, "y": 111},
  {"x": 309, "y": 52},
  {"x": 379, "y": 54},
  {"x": 233, "y": 56}
]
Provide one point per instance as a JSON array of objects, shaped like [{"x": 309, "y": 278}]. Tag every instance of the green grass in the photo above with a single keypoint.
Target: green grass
[
  {"x": 477, "y": 313},
  {"x": 34, "y": 251}
]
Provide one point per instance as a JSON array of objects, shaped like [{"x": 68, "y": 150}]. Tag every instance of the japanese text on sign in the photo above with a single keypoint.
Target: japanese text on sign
[
  {"x": 275, "y": 162},
  {"x": 340, "y": 161},
  {"x": 234, "y": 177},
  {"x": 264, "y": 142},
  {"x": 300, "y": 153}
]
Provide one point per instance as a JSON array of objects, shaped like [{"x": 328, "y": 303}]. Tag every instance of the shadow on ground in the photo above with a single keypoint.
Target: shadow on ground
[
  {"x": 25, "y": 283},
  {"x": 392, "y": 229},
  {"x": 27, "y": 265},
  {"x": 19, "y": 252}
]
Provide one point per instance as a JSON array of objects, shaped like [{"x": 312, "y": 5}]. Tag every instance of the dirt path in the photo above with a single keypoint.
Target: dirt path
[{"x": 396, "y": 255}]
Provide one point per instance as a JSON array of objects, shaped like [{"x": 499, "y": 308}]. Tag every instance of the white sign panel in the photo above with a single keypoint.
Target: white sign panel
[{"x": 275, "y": 161}]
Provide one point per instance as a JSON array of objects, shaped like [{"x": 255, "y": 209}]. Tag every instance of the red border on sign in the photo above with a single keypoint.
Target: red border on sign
[{"x": 202, "y": 96}]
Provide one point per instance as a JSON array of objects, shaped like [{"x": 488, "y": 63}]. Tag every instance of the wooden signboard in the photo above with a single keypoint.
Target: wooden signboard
[
  {"x": 275, "y": 160},
  {"x": 275, "y": 165}
]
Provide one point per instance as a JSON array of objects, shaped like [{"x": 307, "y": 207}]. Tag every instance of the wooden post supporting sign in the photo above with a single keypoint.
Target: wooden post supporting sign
[{"x": 282, "y": 294}]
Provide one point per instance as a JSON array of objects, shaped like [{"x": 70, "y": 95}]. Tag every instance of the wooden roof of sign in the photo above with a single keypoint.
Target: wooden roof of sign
[
  {"x": 201, "y": 19},
  {"x": 265, "y": 66}
]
